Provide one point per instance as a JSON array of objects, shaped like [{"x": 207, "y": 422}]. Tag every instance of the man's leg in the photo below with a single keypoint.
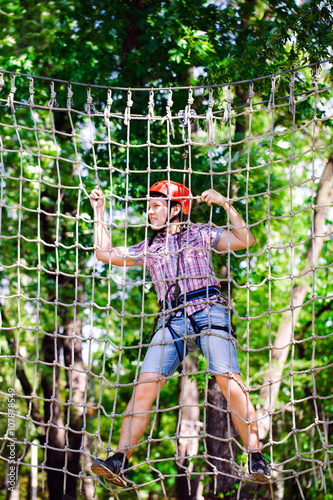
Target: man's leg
[
  {"x": 137, "y": 415},
  {"x": 242, "y": 409},
  {"x": 135, "y": 422},
  {"x": 244, "y": 419},
  {"x": 161, "y": 357}
]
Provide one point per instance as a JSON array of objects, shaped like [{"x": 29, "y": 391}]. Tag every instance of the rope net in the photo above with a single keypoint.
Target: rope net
[{"x": 74, "y": 330}]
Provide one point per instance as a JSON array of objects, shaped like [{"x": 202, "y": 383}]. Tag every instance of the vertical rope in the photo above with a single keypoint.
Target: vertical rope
[
  {"x": 227, "y": 111},
  {"x": 127, "y": 116},
  {"x": 210, "y": 118},
  {"x": 70, "y": 95},
  {"x": 89, "y": 107},
  {"x": 228, "y": 117},
  {"x": 2, "y": 81},
  {"x": 107, "y": 111},
  {"x": 127, "y": 122},
  {"x": 110, "y": 279},
  {"x": 292, "y": 101},
  {"x": 52, "y": 102},
  {"x": 151, "y": 105},
  {"x": 169, "y": 117},
  {"x": 313, "y": 263},
  {"x": 248, "y": 316},
  {"x": 31, "y": 92},
  {"x": 151, "y": 119},
  {"x": 10, "y": 101},
  {"x": 292, "y": 109},
  {"x": 269, "y": 415},
  {"x": 271, "y": 102}
]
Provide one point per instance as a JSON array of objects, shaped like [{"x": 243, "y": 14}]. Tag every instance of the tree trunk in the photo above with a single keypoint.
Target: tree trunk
[
  {"x": 269, "y": 392},
  {"x": 55, "y": 433},
  {"x": 188, "y": 430},
  {"x": 219, "y": 429},
  {"x": 76, "y": 381},
  {"x": 61, "y": 484}
]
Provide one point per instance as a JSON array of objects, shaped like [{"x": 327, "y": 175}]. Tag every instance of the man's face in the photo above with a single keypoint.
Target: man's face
[{"x": 158, "y": 212}]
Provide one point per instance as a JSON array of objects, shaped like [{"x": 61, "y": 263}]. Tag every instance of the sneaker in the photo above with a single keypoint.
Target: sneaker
[
  {"x": 259, "y": 468},
  {"x": 110, "y": 469}
]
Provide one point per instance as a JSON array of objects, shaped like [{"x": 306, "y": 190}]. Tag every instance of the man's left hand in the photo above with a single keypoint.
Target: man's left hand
[{"x": 211, "y": 196}]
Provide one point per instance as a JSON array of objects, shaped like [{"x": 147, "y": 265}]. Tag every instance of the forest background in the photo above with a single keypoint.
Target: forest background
[{"x": 163, "y": 44}]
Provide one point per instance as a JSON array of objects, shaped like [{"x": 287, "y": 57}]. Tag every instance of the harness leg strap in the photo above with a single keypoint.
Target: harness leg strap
[{"x": 178, "y": 343}]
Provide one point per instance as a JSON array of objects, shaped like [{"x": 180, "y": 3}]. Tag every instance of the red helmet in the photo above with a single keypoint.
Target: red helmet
[{"x": 175, "y": 191}]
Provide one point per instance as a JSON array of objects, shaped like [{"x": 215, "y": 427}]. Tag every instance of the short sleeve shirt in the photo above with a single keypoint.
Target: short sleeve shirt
[{"x": 195, "y": 263}]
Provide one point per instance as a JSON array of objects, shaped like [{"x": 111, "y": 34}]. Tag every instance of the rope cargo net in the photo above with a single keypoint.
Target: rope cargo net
[{"x": 74, "y": 331}]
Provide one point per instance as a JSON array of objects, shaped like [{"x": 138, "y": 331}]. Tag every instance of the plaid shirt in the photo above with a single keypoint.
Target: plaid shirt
[{"x": 195, "y": 263}]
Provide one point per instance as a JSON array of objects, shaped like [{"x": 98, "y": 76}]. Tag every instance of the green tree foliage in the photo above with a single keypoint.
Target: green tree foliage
[{"x": 50, "y": 286}]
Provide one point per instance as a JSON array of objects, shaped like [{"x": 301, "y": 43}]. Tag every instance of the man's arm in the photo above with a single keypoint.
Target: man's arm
[
  {"x": 118, "y": 256},
  {"x": 240, "y": 236}
]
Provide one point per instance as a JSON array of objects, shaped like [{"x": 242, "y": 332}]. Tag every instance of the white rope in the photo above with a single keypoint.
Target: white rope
[
  {"x": 90, "y": 108},
  {"x": 70, "y": 95},
  {"x": 186, "y": 117},
  {"x": 107, "y": 111},
  {"x": 31, "y": 92},
  {"x": 292, "y": 101},
  {"x": 227, "y": 111},
  {"x": 316, "y": 77},
  {"x": 127, "y": 116},
  {"x": 271, "y": 102},
  {"x": 151, "y": 106},
  {"x": 10, "y": 101},
  {"x": 52, "y": 102},
  {"x": 2, "y": 81},
  {"x": 168, "y": 116},
  {"x": 209, "y": 118}
]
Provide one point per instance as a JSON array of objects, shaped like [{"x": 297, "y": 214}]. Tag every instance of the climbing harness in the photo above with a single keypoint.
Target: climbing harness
[{"x": 168, "y": 307}]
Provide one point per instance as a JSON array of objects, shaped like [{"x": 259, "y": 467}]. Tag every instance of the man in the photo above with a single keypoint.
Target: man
[{"x": 178, "y": 259}]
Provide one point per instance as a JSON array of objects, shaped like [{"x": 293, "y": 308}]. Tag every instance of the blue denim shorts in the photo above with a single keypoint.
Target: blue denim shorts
[{"x": 175, "y": 339}]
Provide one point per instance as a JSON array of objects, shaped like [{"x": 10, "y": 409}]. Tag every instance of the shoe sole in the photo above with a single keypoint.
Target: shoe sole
[
  {"x": 260, "y": 477},
  {"x": 102, "y": 471}
]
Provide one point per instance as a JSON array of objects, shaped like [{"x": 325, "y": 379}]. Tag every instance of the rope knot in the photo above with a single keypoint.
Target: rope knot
[
  {"x": 316, "y": 78},
  {"x": 109, "y": 100},
  {"x": 185, "y": 155},
  {"x": 31, "y": 92},
  {"x": 127, "y": 115},
  {"x": 170, "y": 101},
  {"x": 107, "y": 110},
  {"x": 70, "y": 94},
  {"x": 190, "y": 100},
  {"x": 168, "y": 116},
  {"x": 317, "y": 75},
  {"x": 227, "y": 112},
  {"x": 292, "y": 101},
  {"x": 251, "y": 93},
  {"x": 52, "y": 102},
  {"x": 271, "y": 102},
  {"x": 10, "y": 100},
  {"x": 186, "y": 119},
  {"x": 151, "y": 106},
  {"x": 129, "y": 99},
  {"x": 90, "y": 107},
  {"x": 250, "y": 97},
  {"x": 210, "y": 118}
]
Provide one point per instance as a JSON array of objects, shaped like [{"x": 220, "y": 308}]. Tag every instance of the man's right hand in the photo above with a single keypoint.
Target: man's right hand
[{"x": 97, "y": 199}]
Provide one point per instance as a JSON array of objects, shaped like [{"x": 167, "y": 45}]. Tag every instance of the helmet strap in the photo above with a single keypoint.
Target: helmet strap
[{"x": 156, "y": 231}]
